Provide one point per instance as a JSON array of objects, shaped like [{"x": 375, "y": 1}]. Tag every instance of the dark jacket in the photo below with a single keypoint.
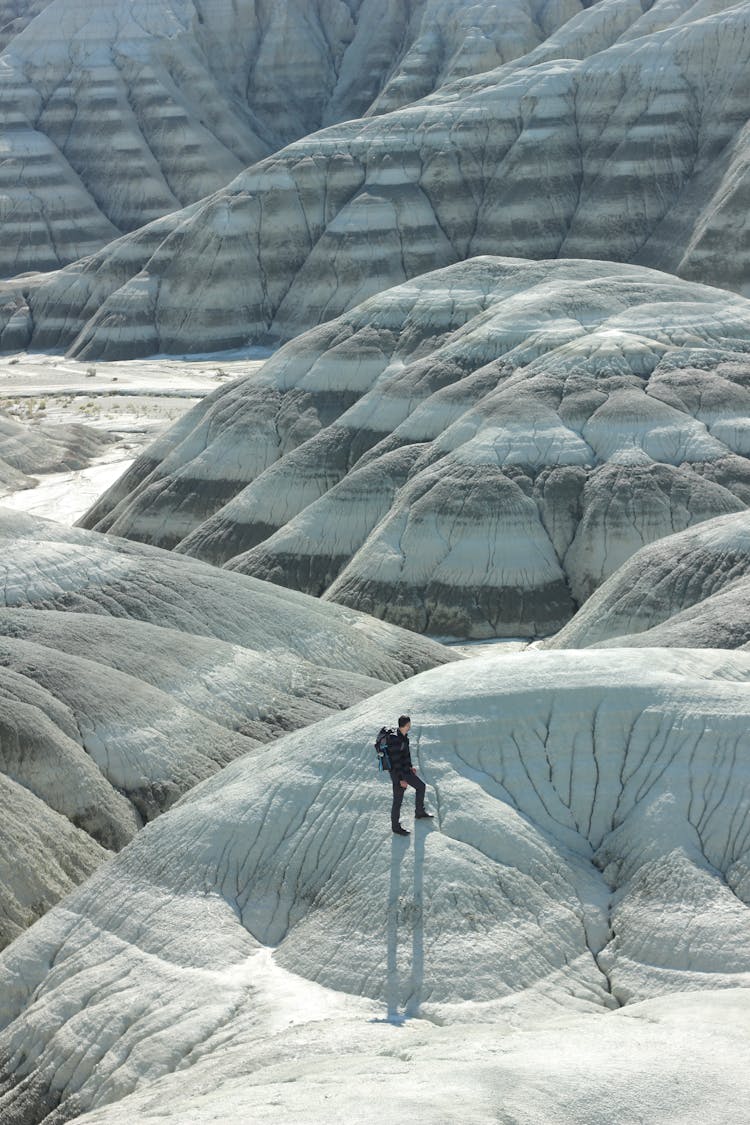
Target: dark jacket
[{"x": 398, "y": 751}]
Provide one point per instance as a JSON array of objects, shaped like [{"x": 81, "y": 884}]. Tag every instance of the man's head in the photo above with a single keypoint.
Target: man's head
[{"x": 404, "y": 722}]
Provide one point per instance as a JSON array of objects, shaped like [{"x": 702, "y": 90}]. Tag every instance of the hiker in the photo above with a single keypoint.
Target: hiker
[{"x": 403, "y": 773}]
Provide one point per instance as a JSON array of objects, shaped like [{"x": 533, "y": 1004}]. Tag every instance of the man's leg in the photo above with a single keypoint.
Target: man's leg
[
  {"x": 419, "y": 786},
  {"x": 398, "y": 796}
]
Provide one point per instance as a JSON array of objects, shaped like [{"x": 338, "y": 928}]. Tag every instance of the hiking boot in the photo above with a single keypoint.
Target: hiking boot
[
  {"x": 423, "y": 816},
  {"x": 399, "y": 831}
]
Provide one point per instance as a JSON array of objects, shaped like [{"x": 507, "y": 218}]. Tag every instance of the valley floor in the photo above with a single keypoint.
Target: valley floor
[{"x": 133, "y": 400}]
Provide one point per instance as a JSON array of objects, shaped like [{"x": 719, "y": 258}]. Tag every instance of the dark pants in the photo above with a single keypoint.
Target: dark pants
[{"x": 398, "y": 795}]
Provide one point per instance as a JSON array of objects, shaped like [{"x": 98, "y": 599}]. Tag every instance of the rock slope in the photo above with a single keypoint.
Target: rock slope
[
  {"x": 590, "y": 854},
  {"x": 690, "y": 589},
  {"x": 117, "y": 113},
  {"x": 44, "y": 448},
  {"x": 414, "y": 1071},
  {"x": 625, "y": 138},
  {"x": 15, "y": 15},
  {"x": 127, "y": 675},
  {"x": 471, "y": 453}
]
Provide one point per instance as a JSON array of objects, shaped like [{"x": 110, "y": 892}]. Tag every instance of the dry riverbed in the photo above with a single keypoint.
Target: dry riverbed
[{"x": 132, "y": 400}]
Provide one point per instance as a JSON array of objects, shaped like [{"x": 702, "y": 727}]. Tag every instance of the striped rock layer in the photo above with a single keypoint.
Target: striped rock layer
[
  {"x": 115, "y": 113},
  {"x": 471, "y": 453},
  {"x": 688, "y": 589},
  {"x": 624, "y": 137}
]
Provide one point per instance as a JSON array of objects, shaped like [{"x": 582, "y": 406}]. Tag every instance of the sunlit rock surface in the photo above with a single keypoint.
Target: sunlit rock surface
[
  {"x": 588, "y": 866},
  {"x": 471, "y": 453},
  {"x": 625, "y": 139},
  {"x": 115, "y": 113},
  {"x": 128, "y": 675},
  {"x": 27, "y": 449},
  {"x": 15, "y": 15},
  {"x": 692, "y": 589}
]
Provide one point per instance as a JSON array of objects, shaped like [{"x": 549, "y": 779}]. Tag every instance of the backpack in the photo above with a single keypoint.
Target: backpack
[{"x": 381, "y": 748}]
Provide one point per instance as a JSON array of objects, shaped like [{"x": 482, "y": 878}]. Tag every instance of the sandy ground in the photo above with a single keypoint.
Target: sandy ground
[
  {"x": 66, "y": 496},
  {"x": 134, "y": 400}
]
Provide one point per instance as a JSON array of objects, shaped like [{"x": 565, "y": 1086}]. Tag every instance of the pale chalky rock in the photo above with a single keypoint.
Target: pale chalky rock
[
  {"x": 116, "y": 113},
  {"x": 50, "y": 855},
  {"x": 588, "y": 865},
  {"x": 259, "y": 694},
  {"x": 39, "y": 447},
  {"x": 15, "y": 15},
  {"x": 699, "y": 1040},
  {"x": 626, "y": 141},
  {"x": 128, "y": 675},
  {"x": 103, "y": 751},
  {"x": 44, "y": 565},
  {"x": 471, "y": 453},
  {"x": 690, "y": 589}
]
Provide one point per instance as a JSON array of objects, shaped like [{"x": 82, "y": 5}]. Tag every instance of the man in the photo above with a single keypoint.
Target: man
[{"x": 403, "y": 773}]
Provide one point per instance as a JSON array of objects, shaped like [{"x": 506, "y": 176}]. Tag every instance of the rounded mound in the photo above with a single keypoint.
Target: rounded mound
[
  {"x": 690, "y": 589},
  {"x": 590, "y": 851},
  {"x": 468, "y": 454},
  {"x": 128, "y": 675}
]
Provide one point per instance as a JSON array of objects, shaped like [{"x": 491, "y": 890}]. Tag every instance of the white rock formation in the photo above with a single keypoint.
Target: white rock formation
[
  {"x": 117, "y": 113},
  {"x": 102, "y": 750},
  {"x": 45, "y": 854},
  {"x": 15, "y": 15},
  {"x": 590, "y": 851},
  {"x": 26, "y": 450},
  {"x": 641, "y": 1060},
  {"x": 690, "y": 589},
  {"x": 624, "y": 138},
  {"x": 471, "y": 453},
  {"x": 44, "y": 565},
  {"x": 128, "y": 674}
]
